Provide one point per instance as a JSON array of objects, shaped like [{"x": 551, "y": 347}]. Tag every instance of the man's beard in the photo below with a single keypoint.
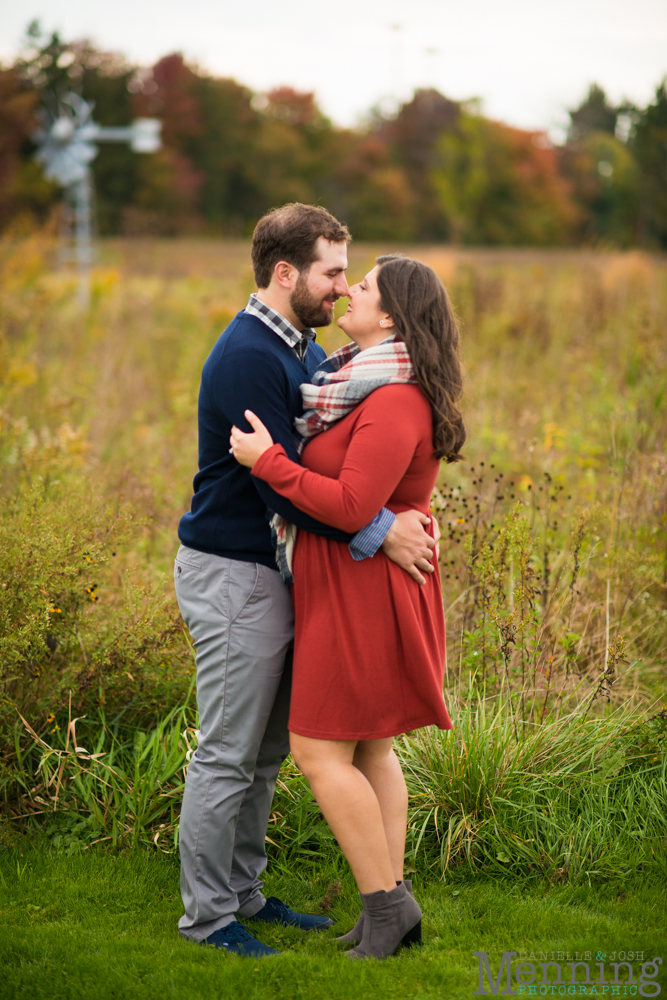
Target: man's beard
[{"x": 307, "y": 309}]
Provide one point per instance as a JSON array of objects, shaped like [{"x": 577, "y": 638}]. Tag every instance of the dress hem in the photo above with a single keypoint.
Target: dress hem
[{"x": 385, "y": 734}]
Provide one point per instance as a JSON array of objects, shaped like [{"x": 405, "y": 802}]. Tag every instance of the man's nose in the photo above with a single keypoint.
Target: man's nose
[{"x": 340, "y": 285}]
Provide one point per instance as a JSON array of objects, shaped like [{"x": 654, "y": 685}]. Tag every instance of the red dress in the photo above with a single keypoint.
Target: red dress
[{"x": 369, "y": 644}]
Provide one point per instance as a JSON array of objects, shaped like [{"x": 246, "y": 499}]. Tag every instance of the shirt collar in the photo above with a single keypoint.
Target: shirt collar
[{"x": 297, "y": 339}]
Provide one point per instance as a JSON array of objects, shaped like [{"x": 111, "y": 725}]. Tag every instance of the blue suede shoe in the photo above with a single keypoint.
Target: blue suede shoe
[
  {"x": 275, "y": 912},
  {"x": 235, "y": 939}
]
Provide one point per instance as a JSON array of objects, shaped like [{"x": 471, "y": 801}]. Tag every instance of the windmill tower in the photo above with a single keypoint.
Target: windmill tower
[{"x": 66, "y": 147}]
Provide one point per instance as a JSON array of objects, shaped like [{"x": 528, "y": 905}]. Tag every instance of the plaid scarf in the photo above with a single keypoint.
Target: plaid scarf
[
  {"x": 346, "y": 378},
  {"x": 339, "y": 384}
]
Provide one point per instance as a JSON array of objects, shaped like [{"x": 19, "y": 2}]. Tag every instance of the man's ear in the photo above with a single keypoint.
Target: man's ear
[{"x": 285, "y": 274}]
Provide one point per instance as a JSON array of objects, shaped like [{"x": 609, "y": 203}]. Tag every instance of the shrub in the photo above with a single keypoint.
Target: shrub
[{"x": 77, "y": 615}]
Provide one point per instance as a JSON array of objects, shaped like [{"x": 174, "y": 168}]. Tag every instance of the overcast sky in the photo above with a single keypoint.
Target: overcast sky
[{"x": 527, "y": 59}]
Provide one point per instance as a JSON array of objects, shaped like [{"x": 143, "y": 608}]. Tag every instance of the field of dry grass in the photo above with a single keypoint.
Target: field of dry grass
[{"x": 566, "y": 406}]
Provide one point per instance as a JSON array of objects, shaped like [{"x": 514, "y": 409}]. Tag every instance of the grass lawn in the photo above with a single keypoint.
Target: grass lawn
[{"x": 101, "y": 925}]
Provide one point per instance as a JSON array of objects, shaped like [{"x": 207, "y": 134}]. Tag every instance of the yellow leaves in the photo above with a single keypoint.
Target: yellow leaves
[
  {"x": 219, "y": 317},
  {"x": 554, "y": 436},
  {"x": 104, "y": 280},
  {"x": 21, "y": 374},
  {"x": 23, "y": 261},
  {"x": 524, "y": 483}
]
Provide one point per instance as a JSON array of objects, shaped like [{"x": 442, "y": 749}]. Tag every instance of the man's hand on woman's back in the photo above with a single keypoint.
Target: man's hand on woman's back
[{"x": 408, "y": 544}]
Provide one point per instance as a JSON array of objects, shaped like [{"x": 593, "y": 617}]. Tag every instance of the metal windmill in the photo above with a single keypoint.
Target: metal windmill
[{"x": 67, "y": 146}]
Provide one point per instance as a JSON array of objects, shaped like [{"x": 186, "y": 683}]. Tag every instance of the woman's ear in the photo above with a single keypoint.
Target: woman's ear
[{"x": 387, "y": 322}]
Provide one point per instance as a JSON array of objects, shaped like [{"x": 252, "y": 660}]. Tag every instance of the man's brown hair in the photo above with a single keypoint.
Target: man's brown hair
[{"x": 291, "y": 233}]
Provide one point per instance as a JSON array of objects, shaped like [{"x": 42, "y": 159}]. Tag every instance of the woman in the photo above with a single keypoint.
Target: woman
[{"x": 369, "y": 642}]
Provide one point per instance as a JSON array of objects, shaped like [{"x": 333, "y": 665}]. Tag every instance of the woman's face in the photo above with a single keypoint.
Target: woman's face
[{"x": 364, "y": 322}]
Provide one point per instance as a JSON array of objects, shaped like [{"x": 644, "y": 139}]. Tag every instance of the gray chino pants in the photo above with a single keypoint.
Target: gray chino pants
[{"x": 241, "y": 619}]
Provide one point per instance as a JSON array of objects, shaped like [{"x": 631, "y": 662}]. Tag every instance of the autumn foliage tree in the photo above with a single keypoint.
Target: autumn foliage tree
[
  {"x": 413, "y": 136},
  {"x": 20, "y": 179},
  {"x": 435, "y": 170}
]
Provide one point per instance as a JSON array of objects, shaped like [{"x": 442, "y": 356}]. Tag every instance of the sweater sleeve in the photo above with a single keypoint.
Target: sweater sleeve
[{"x": 378, "y": 456}]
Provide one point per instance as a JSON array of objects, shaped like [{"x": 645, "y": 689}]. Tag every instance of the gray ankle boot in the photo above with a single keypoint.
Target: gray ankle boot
[
  {"x": 391, "y": 920},
  {"x": 354, "y": 936}
]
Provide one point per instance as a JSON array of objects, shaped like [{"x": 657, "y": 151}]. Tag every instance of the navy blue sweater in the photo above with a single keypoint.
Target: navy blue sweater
[{"x": 249, "y": 368}]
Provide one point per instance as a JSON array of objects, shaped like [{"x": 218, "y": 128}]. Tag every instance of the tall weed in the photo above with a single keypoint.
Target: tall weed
[{"x": 571, "y": 799}]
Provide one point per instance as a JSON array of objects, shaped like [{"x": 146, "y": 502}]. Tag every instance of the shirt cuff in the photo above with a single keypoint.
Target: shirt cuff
[{"x": 368, "y": 540}]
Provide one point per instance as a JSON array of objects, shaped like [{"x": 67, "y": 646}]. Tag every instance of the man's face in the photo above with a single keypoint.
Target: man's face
[{"x": 318, "y": 288}]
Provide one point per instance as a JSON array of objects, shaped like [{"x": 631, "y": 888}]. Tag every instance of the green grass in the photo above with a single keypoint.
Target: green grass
[{"x": 102, "y": 925}]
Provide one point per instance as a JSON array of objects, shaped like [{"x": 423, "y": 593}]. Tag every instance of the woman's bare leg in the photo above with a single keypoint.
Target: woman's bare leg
[
  {"x": 379, "y": 764},
  {"x": 350, "y": 806}
]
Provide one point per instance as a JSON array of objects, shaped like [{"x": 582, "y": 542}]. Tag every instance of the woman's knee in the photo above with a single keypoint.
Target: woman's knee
[
  {"x": 298, "y": 751},
  {"x": 315, "y": 757},
  {"x": 375, "y": 753}
]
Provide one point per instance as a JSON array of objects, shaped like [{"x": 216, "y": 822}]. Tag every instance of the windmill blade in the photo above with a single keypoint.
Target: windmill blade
[{"x": 65, "y": 141}]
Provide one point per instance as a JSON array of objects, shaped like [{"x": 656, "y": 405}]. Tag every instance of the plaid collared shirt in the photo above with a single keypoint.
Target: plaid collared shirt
[{"x": 298, "y": 340}]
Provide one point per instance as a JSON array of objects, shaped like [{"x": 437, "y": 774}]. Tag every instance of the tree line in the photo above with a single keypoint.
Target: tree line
[{"x": 436, "y": 170}]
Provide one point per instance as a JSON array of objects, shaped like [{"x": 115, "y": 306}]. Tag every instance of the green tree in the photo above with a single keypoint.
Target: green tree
[
  {"x": 594, "y": 114},
  {"x": 46, "y": 63},
  {"x": 500, "y": 185},
  {"x": 602, "y": 172},
  {"x": 649, "y": 146},
  {"x": 229, "y": 196},
  {"x": 605, "y": 184}
]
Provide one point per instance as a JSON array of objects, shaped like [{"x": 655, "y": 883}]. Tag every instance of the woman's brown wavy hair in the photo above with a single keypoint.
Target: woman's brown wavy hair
[{"x": 416, "y": 300}]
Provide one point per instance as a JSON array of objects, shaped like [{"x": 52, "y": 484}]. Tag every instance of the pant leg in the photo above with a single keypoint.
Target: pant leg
[
  {"x": 241, "y": 620},
  {"x": 250, "y": 845}
]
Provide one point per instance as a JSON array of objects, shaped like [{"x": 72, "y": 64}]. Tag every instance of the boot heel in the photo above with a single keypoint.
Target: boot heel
[{"x": 413, "y": 936}]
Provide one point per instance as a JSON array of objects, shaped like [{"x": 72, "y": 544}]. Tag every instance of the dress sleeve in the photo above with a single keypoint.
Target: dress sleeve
[
  {"x": 378, "y": 456},
  {"x": 252, "y": 383}
]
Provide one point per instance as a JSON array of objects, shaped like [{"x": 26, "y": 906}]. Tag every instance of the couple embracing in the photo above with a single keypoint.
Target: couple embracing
[{"x": 307, "y": 575}]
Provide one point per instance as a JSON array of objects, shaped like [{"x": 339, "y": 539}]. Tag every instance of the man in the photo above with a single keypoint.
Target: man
[{"x": 230, "y": 593}]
